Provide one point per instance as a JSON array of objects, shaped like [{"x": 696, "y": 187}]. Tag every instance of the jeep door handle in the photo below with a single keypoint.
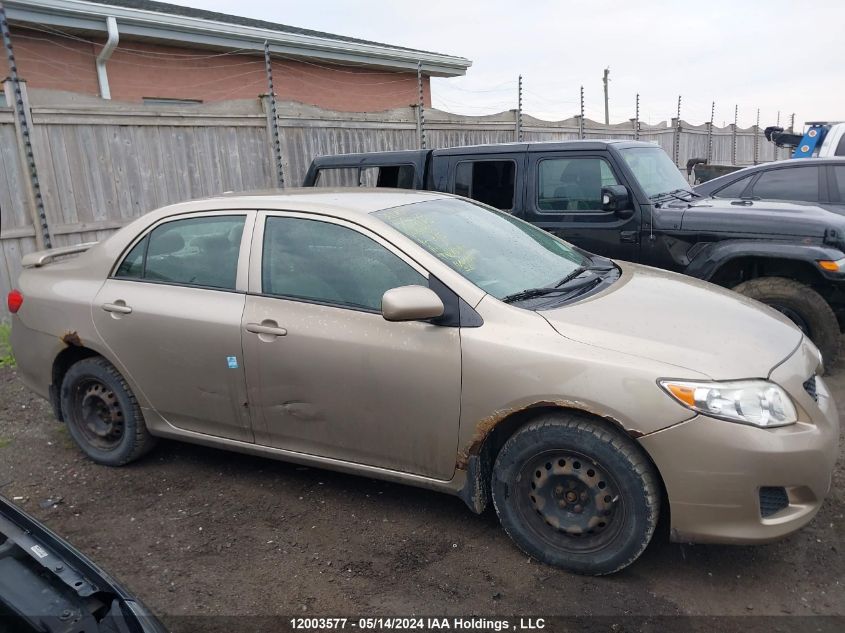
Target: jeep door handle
[
  {"x": 119, "y": 308},
  {"x": 628, "y": 236},
  {"x": 266, "y": 327}
]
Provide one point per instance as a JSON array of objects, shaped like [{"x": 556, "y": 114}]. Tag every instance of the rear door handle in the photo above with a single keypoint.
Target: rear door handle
[
  {"x": 266, "y": 327},
  {"x": 119, "y": 307},
  {"x": 627, "y": 236}
]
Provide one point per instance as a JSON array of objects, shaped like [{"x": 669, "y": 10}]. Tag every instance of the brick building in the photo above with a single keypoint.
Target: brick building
[{"x": 152, "y": 52}]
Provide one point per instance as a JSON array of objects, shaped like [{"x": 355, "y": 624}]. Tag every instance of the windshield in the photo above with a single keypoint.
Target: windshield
[
  {"x": 654, "y": 170},
  {"x": 496, "y": 251}
]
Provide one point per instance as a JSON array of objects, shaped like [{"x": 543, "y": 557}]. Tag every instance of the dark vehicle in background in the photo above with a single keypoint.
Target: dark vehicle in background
[
  {"x": 819, "y": 181},
  {"x": 47, "y": 586},
  {"x": 627, "y": 200}
]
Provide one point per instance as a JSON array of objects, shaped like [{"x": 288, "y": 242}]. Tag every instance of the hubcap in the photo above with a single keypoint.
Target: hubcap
[
  {"x": 97, "y": 414},
  {"x": 570, "y": 500}
]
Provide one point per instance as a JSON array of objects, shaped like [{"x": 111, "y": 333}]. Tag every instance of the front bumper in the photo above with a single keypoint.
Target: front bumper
[{"x": 714, "y": 470}]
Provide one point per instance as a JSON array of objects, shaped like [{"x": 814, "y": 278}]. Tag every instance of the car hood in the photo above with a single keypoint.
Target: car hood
[
  {"x": 680, "y": 321},
  {"x": 762, "y": 217}
]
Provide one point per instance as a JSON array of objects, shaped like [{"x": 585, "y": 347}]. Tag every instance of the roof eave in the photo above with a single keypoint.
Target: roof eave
[{"x": 78, "y": 14}]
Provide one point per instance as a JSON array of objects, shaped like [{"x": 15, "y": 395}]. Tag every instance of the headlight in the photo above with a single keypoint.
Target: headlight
[{"x": 756, "y": 402}]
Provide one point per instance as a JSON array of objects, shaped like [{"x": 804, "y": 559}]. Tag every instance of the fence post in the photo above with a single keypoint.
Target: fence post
[
  {"x": 519, "y": 135},
  {"x": 420, "y": 108},
  {"x": 676, "y": 141},
  {"x": 757, "y": 138},
  {"x": 273, "y": 119},
  {"x": 15, "y": 91},
  {"x": 710, "y": 133},
  {"x": 637, "y": 119},
  {"x": 733, "y": 135},
  {"x": 581, "y": 116}
]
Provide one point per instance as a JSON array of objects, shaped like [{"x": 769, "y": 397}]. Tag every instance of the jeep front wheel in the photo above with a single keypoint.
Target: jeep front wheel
[{"x": 803, "y": 306}]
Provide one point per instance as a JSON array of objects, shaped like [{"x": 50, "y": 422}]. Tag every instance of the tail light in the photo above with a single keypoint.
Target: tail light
[{"x": 14, "y": 300}]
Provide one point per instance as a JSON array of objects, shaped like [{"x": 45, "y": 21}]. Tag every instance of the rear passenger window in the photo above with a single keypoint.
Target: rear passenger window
[
  {"x": 132, "y": 266},
  {"x": 327, "y": 263},
  {"x": 195, "y": 252},
  {"x": 793, "y": 183},
  {"x": 733, "y": 190},
  {"x": 488, "y": 181}
]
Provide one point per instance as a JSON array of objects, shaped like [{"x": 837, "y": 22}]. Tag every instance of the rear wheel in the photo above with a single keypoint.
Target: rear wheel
[
  {"x": 803, "y": 306},
  {"x": 575, "y": 493},
  {"x": 102, "y": 414}
]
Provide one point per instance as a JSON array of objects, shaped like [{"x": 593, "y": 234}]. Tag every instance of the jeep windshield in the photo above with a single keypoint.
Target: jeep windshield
[
  {"x": 656, "y": 172},
  {"x": 510, "y": 259}
]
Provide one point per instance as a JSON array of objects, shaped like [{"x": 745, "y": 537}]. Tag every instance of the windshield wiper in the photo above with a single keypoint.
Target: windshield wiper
[
  {"x": 530, "y": 293},
  {"x": 675, "y": 194}
]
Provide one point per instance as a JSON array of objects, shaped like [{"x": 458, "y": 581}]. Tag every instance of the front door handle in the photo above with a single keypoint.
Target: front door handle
[
  {"x": 270, "y": 328},
  {"x": 118, "y": 306}
]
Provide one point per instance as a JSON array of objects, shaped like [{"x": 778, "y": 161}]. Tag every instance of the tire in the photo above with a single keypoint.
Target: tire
[
  {"x": 102, "y": 414},
  {"x": 566, "y": 473},
  {"x": 803, "y": 306}
]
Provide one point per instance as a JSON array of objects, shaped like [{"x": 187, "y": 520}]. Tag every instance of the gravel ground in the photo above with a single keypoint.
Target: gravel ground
[{"x": 197, "y": 531}]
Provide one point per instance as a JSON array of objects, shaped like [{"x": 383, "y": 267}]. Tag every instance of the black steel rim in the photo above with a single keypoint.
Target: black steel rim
[
  {"x": 794, "y": 316},
  {"x": 569, "y": 501},
  {"x": 97, "y": 414}
]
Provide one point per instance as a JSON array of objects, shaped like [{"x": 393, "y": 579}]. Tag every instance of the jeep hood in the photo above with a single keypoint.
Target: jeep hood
[
  {"x": 680, "y": 321},
  {"x": 761, "y": 217}
]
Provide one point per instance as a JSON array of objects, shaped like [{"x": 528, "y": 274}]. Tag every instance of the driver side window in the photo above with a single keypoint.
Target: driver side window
[{"x": 572, "y": 184}]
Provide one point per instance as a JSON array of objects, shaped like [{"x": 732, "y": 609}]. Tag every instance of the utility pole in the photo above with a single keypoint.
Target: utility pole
[
  {"x": 274, "y": 122},
  {"x": 606, "y": 100},
  {"x": 24, "y": 134}
]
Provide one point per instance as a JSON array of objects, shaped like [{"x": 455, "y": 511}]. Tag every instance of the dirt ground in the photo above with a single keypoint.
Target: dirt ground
[{"x": 197, "y": 531}]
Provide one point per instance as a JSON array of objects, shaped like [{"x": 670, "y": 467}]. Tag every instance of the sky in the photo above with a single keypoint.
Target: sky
[{"x": 744, "y": 53}]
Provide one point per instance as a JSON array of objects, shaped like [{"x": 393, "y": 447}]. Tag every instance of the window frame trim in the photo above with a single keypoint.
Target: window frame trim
[
  {"x": 256, "y": 257},
  {"x": 535, "y": 202},
  {"x": 241, "y": 275}
]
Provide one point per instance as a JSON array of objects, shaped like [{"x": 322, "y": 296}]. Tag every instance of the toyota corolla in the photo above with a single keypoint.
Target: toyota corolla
[{"x": 431, "y": 340}]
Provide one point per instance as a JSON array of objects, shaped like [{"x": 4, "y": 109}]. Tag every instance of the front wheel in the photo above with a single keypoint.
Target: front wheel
[
  {"x": 575, "y": 493},
  {"x": 803, "y": 306},
  {"x": 102, "y": 414}
]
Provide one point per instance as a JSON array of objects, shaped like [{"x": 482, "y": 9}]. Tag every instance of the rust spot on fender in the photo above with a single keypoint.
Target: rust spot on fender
[
  {"x": 72, "y": 339},
  {"x": 484, "y": 426}
]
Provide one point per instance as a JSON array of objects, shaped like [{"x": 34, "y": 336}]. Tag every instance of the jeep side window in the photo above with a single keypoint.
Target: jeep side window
[
  {"x": 388, "y": 176},
  {"x": 792, "y": 183},
  {"x": 488, "y": 181},
  {"x": 572, "y": 184},
  {"x": 733, "y": 190},
  {"x": 337, "y": 177},
  {"x": 839, "y": 175}
]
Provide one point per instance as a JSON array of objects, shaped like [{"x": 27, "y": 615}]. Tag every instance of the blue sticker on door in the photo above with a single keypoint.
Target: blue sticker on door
[{"x": 232, "y": 361}]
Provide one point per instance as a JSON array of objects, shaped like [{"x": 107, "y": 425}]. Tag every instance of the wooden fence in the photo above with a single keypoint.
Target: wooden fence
[{"x": 102, "y": 163}]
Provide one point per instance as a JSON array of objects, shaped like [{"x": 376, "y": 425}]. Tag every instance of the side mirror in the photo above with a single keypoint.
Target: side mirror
[
  {"x": 616, "y": 198},
  {"x": 411, "y": 303}
]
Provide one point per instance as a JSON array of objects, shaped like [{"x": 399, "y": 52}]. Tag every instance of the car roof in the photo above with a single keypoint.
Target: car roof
[
  {"x": 716, "y": 183},
  {"x": 340, "y": 202}
]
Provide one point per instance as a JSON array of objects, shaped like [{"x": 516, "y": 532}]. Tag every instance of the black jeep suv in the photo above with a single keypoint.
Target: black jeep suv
[{"x": 627, "y": 200}]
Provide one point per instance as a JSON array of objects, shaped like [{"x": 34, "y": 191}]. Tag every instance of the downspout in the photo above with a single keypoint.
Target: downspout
[{"x": 105, "y": 54}]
